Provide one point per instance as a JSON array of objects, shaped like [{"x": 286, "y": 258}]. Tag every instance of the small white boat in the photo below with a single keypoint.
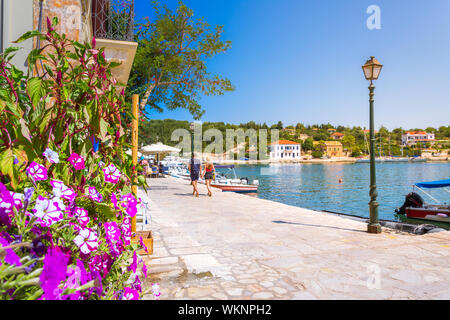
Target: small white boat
[{"x": 234, "y": 184}]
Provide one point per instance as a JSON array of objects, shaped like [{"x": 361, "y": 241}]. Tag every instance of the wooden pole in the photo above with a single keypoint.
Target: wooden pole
[{"x": 134, "y": 141}]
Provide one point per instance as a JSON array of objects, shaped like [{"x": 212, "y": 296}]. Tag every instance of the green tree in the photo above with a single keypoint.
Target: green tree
[
  {"x": 308, "y": 144},
  {"x": 169, "y": 68},
  {"x": 348, "y": 142}
]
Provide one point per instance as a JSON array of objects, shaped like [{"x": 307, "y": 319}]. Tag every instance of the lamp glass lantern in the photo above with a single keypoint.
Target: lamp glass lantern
[
  {"x": 192, "y": 126},
  {"x": 372, "y": 69}
]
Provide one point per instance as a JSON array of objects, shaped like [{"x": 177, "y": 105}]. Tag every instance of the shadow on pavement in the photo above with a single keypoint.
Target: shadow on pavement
[{"x": 316, "y": 225}]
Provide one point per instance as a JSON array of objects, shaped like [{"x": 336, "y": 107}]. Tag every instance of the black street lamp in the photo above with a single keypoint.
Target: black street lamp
[{"x": 372, "y": 69}]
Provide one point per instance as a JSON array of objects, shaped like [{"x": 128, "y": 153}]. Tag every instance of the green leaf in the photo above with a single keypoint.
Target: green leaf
[
  {"x": 28, "y": 35},
  {"x": 106, "y": 210},
  {"x": 35, "y": 90},
  {"x": 103, "y": 129},
  {"x": 45, "y": 120},
  {"x": 25, "y": 130}
]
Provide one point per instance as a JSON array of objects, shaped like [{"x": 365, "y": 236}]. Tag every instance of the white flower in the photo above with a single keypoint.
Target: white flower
[
  {"x": 49, "y": 211},
  {"x": 86, "y": 240},
  {"x": 51, "y": 156}
]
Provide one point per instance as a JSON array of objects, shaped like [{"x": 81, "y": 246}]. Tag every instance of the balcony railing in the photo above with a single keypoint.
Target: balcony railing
[{"x": 113, "y": 19}]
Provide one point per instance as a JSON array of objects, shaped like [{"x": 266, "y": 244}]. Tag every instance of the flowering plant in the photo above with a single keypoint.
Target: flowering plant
[{"x": 65, "y": 208}]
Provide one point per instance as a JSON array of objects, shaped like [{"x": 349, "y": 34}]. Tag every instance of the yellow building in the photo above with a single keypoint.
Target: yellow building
[{"x": 333, "y": 149}]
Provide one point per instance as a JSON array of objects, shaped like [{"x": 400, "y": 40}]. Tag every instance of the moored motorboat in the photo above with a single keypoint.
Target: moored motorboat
[
  {"x": 235, "y": 184},
  {"x": 416, "y": 208}
]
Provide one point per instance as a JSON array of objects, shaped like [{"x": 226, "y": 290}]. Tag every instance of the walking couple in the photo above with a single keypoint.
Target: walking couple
[{"x": 205, "y": 172}]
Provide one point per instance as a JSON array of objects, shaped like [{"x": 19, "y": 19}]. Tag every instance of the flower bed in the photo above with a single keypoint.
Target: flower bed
[{"x": 65, "y": 203}]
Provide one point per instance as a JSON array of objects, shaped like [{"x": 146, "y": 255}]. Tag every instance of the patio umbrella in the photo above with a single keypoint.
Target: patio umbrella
[{"x": 159, "y": 149}]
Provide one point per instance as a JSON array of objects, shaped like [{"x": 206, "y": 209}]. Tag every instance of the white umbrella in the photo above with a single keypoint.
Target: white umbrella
[{"x": 159, "y": 148}]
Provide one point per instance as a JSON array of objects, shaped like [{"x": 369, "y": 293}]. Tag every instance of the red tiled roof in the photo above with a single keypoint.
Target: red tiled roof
[
  {"x": 338, "y": 134},
  {"x": 415, "y": 132},
  {"x": 283, "y": 142},
  {"x": 367, "y": 131}
]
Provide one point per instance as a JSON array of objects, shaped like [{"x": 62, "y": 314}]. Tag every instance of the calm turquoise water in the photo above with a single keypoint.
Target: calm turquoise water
[{"x": 316, "y": 186}]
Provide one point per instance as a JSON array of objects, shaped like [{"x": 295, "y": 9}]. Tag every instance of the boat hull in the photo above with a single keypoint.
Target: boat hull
[
  {"x": 428, "y": 214},
  {"x": 238, "y": 189}
]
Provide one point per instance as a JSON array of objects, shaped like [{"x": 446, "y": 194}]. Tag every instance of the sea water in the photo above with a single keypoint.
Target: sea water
[{"x": 317, "y": 186}]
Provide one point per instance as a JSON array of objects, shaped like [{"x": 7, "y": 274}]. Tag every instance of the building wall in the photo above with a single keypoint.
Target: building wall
[
  {"x": 279, "y": 152},
  {"x": 73, "y": 15},
  {"x": 16, "y": 19}
]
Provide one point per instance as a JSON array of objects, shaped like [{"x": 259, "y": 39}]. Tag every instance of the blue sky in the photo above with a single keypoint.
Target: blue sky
[{"x": 300, "y": 61}]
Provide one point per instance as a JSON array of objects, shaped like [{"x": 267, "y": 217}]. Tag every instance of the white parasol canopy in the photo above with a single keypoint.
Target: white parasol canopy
[{"x": 158, "y": 148}]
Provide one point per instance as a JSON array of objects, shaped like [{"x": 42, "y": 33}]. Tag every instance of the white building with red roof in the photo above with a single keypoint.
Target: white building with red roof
[
  {"x": 285, "y": 150},
  {"x": 414, "y": 137}
]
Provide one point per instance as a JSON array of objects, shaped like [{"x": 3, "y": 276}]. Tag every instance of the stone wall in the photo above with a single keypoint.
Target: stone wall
[{"x": 73, "y": 15}]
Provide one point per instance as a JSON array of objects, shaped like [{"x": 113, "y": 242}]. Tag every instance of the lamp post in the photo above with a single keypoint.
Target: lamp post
[{"x": 372, "y": 69}]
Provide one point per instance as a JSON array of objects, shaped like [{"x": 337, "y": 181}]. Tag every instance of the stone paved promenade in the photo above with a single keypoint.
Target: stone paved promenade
[{"x": 235, "y": 246}]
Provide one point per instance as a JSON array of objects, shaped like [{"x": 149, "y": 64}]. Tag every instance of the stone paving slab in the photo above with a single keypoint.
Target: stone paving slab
[{"x": 233, "y": 246}]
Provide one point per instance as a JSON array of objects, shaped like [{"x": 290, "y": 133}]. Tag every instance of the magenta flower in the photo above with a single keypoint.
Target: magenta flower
[
  {"x": 144, "y": 270},
  {"x": 112, "y": 231},
  {"x": 86, "y": 240},
  {"x": 82, "y": 216},
  {"x": 114, "y": 201},
  {"x": 133, "y": 265},
  {"x": 130, "y": 294},
  {"x": 37, "y": 171},
  {"x": 48, "y": 211},
  {"x": 54, "y": 271},
  {"x": 10, "y": 257},
  {"x": 126, "y": 231},
  {"x": 18, "y": 199},
  {"x": 129, "y": 204},
  {"x": 141, "y": 242},
  {"x": 77, "y": 161},
  {"x": 6, "y": 205},
  {"x": 95, "y": 195},
  {"x": 101, "y": 263},
  {"x": 112, "y": 174},
  {"x": 62, "y": 191}
]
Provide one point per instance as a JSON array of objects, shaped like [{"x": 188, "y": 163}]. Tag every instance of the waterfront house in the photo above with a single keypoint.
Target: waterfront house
[
  {"x": 333, "y": 149},
  {"x": 417, "y": 137},
  {"x": 337, "y": 136},
  {"x": 285, "y": 150}
]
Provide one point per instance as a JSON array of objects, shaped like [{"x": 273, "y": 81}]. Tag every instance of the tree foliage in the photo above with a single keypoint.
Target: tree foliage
[{"x": 170, "y": 67}]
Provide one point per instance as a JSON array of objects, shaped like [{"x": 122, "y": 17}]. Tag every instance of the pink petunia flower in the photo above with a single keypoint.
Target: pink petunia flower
[
  {"x": 54, "y": 271},
  {"x": 18, "y": 199},
  {"x": 155, "y": 290},
  {"x": 112, "y": 231},
  {"x": 62, "y": 191},
  {"x": 48, "y": 211},
  {"x": 86, "y": 240},
  {"x": 82, "y": 216},
  {"x": 77, "y": 161},
  {"x": 37, "y": 171},
  {"x": 95, "y": 195},
  {"x": 130, "y": 294},
  {"x": 112, "y": 174},
  {"x": 129, "y": 204}
]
